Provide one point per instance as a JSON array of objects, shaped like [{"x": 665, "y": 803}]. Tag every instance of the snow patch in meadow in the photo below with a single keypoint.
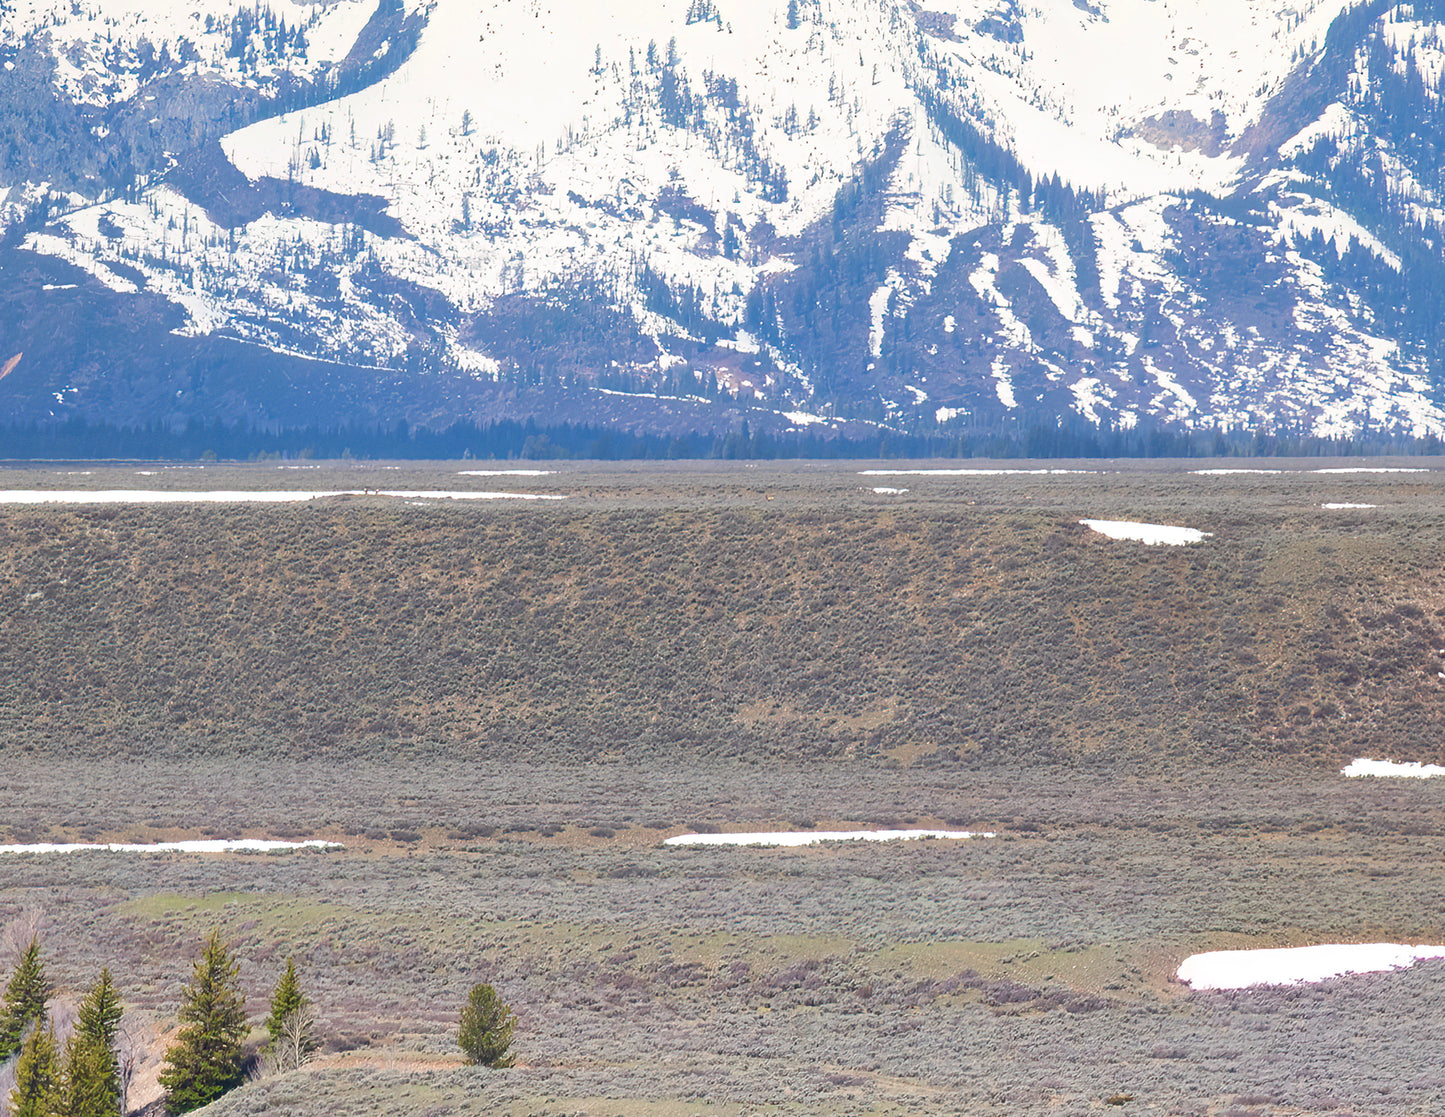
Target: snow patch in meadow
[
  {"x": 151, "y": 496},
  {"x": 1146, "y": 533},
  {"x": 1337, "y": 469},
  {"x": 506, "y": 472},
  {"x": 1244, "y": 969},
  {"x": 1400, "y": 770},
  {"x": 208, "y": 845},
  {"x": 813, "y": 837},
  {"x": 1337, "y": 506},
  {"x": 970, "y": 472},
  {"x": 890, "y": 492}
]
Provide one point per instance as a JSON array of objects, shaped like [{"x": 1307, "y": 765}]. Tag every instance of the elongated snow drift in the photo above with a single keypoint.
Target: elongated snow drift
[{"x": 1244, "y": 969}]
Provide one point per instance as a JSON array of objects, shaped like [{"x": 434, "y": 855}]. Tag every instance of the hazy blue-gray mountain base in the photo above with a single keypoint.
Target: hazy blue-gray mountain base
[{"x": 821, "y": 215}]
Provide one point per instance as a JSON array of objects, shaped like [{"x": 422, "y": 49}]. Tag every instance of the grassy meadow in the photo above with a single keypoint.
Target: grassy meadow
[{"x": 501, "y": 708}]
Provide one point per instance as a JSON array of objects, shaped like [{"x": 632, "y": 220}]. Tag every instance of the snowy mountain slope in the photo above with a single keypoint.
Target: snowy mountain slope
[{"x": 979, "y": 211}]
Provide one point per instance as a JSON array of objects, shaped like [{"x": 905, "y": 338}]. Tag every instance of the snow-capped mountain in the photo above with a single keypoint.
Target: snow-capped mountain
[{"x": 1167, "y": 212}]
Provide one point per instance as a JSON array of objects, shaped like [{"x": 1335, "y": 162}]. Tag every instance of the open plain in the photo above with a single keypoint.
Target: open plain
[{"x": 501, "y": 708}]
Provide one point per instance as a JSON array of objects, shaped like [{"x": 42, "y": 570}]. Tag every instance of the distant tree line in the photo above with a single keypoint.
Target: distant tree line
[{"x": 79, "y": 439}]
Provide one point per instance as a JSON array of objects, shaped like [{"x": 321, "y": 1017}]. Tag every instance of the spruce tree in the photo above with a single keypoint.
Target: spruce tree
[
  {"x": 285, "y": 1000},
  {"x": 92, "y": 1069},
  {"x": 24, "y": 1001},
  {"x": 88, "y": 1086},
  {"x": 486, "y": 1028},
  {"x": 205, "y": 1061},
  {"x": 290, "y": 1024},
  {"x": 100, "y": 1012},
  {"x": 36, "y": 1076}
]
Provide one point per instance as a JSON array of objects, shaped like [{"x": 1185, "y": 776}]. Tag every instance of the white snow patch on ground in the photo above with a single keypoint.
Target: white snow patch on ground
[
  {"x": 890, "y": 492},
  {"x": 813, "y": 837},
  {"x": 150, "y": 496},
  {"x": 210, "y": 845},
  {"x": 506, "y": 472},
  {"x": 1391, "y": 769},
  {"x": 969, "y": 472},
  {"x": 1332, "y": 507},
  {"x": 1342, "y": 469},
  {"x": 1146, "y": 533},
  {"x": 1243, "y": 969}
]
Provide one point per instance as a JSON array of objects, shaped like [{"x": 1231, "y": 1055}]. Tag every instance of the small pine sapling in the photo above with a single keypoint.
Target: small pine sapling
[
  {"x": 486, "y": 1028},
  {"x": 291, "y": 1024}
]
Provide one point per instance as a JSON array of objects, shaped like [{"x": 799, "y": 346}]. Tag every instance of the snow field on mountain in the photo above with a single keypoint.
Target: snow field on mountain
[
  {"x": 96, "y": 43},
  {"x": 525, "y": 149},
  {"x": 515, "y": 138},
  {"x": 1305, "y": 215},
  {"x": 1081, "y": 81},
  {"x": 1244, "y": 969},
  {"x": 529, "y": 78}
]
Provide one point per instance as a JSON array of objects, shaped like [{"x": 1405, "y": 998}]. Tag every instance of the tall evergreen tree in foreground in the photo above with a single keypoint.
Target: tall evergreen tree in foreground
[
  {"x": 36, "y": 1076},
  {"x": 24, "y": 1002},
  {"x": 91, "y": 1082},
  {"x": 87, "y": 1086},
  {"x": 205, "y": 1060}
]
